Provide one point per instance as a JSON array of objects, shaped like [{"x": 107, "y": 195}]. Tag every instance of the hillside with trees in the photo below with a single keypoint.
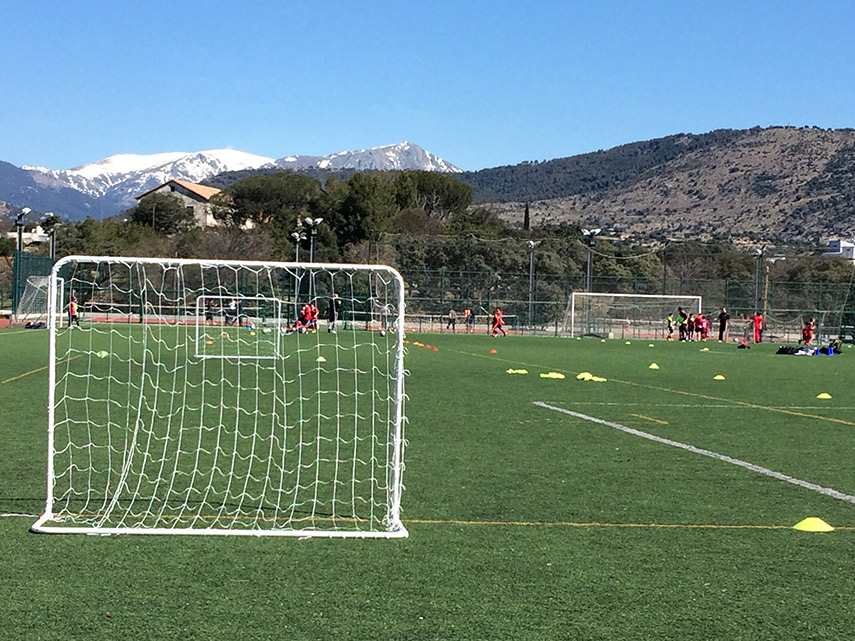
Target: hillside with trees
[{"x": 783, "y": 185}]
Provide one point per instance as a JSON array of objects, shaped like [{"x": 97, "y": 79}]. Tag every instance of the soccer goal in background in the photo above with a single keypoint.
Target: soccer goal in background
[
  {"x": 170, "y": 413},
  {"x": 33, "y": 306},
  {"x": 624, "y": 315}
]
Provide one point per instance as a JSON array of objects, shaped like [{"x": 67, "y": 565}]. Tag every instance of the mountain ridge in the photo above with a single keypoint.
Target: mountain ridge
[
  {"x": 114, "y": 182},
  {"x": 775, "y": 184}
]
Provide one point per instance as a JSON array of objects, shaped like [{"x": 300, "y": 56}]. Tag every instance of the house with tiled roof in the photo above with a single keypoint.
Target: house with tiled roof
[{"x": 194, "y": 196}]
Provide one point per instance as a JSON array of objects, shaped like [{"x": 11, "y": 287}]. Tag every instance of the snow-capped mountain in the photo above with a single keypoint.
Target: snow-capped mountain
[
  {"x": 109, "y": 186},
  {"x": 122, "y": 177},
  {"x": 402, "y": 156}
]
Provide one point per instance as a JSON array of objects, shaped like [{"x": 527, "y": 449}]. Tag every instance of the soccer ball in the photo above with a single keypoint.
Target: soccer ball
[
  {"x": 250, "y": 327},
  {"x": 266, "y": 330},
  {"x": 382, "y": 332}
]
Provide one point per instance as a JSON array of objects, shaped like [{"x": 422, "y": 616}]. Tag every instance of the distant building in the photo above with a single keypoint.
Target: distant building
[
  {"x": 844, "y": 248},
  {"x": 195, "y": 197},
  {"x": 38, "y": 235}
]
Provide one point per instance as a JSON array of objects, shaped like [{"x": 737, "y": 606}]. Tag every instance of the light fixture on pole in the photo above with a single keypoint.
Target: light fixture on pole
[
  {"x": 19, "y": 227},
  {"x": 531, "y": 246},
  {"x": 299, "y": 236},
  {"x": 590, "y": 235},
  {"x": 52, "y": 234},
  {"x": 312, "y": 224},
  {"x": 758, "y": 271}
]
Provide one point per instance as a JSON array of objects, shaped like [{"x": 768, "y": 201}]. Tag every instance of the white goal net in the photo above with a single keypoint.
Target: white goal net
[
  {"x": 33, "y": 305},
  {"x": 225, "y": 397},
  {"x": 641, "y": 316}
]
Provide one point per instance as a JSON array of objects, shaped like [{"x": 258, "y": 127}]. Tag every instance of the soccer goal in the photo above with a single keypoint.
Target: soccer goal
[
  {"x": 183, "y": 404},
  {"x": 624, "y": 315},
  {"x": 33, "y": 306}
]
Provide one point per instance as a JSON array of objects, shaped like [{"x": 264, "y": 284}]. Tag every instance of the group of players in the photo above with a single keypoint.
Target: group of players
[
  {"x": 497, "y": 323},
  {"x": 307, "y": 319},
  {"x": 694, "y": 327}
]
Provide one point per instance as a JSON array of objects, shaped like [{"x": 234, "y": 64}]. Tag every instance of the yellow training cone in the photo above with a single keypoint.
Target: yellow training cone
[
  {"x": 824, "y": 396},
  {"x": 584, "y": 376},
  {"x": 813, "y": 524},
  {"x": 516, "y": 371},
  {"x": 627, "y": 343},
  {"x": 321, "y": 359},
  {"x": 653, "y": 366},
  {"x": 598, "y": 379},
  {"x": 556, "y": 375},
  {"x": 718, "y": 377},
  {"x": 705, "y": 349},
  {"x": 651, "y": 345}
]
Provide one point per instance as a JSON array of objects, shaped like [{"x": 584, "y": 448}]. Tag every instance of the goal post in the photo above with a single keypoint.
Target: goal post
[
  {"x": 33, "y": 305},
  {"x": 168, "y": 415},
  {"x": 624, "y": 315}
]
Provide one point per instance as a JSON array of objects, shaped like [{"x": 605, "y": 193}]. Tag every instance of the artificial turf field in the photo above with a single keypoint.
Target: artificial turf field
[{"x": 525, "y": 522}]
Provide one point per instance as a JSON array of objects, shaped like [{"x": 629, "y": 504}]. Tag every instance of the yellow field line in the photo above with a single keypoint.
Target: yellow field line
[
  {"x": 38, "y": 369},
  {"x": 689, "y": 526},
  {"x": 648, "y": 418}
]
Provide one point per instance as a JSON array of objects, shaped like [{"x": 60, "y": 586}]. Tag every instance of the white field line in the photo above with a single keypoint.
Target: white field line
[
  {"x": 29, "y": 516},
  {"x": 713, "y": 405},
  {"x": 697, "y": 450}
]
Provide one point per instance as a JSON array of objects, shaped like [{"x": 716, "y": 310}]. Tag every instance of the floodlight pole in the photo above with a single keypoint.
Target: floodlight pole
[
  {"x": 312, "y": 224},
  {"x": 590, "y": 235},
  {"x": 532, "y": 244},
  {"x": 299, "y": 236},
  {"x": 19, "y": 227},
  {"x": 52, "y": 233},
  {"x": 758, "y": 276}
]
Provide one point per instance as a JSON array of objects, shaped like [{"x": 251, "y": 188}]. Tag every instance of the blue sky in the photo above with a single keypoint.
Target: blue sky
[{"x": 480, "y": 83}]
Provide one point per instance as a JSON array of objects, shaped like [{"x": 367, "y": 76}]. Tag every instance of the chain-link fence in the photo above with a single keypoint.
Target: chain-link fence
[
  {"x": 24, "y": 266},
  {"x": 538, "y": 303}
]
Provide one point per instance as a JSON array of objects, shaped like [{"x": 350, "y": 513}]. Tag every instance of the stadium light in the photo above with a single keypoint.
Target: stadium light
[
  {"x": 52, "y": 234},
  {"x": 312, "y": 224},
  {"x": 299, "y": 236},
  {"x": 590, "y": 235},
  {"x": 19, "y": 227},
  {"x": 532, "y": 244}
]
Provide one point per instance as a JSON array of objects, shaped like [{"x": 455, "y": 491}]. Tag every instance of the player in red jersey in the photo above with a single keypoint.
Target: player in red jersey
[
  {"x": 758, "y": 327},
  {"x": 498, "y": 323},
  {"x": 807, "y": 331}
]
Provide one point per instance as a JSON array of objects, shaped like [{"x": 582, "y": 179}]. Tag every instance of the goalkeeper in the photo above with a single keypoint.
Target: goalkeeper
[{"x": 333, "y": 312}]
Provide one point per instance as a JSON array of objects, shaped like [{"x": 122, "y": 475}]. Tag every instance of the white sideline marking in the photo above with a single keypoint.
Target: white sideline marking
[
  {"x": 30, "y": 516},
  {"x": 713, "y": 405},
  {"x": 697, "y": 450}
]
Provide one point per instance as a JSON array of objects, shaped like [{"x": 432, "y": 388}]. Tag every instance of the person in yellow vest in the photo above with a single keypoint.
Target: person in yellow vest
[{"x": 73, "y": 316}]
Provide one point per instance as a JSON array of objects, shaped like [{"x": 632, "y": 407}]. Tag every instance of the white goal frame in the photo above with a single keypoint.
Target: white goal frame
[
  {"x": 368, "y": 506},
  {"x": 606, "y": 329},
  {"x": 36, "y": 295}
]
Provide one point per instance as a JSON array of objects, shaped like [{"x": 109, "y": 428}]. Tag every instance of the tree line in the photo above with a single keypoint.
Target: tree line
[{"x": 412, "y": 220}]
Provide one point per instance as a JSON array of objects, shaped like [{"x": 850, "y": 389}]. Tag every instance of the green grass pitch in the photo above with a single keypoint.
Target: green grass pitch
[{"x": 525, "y": 522}]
